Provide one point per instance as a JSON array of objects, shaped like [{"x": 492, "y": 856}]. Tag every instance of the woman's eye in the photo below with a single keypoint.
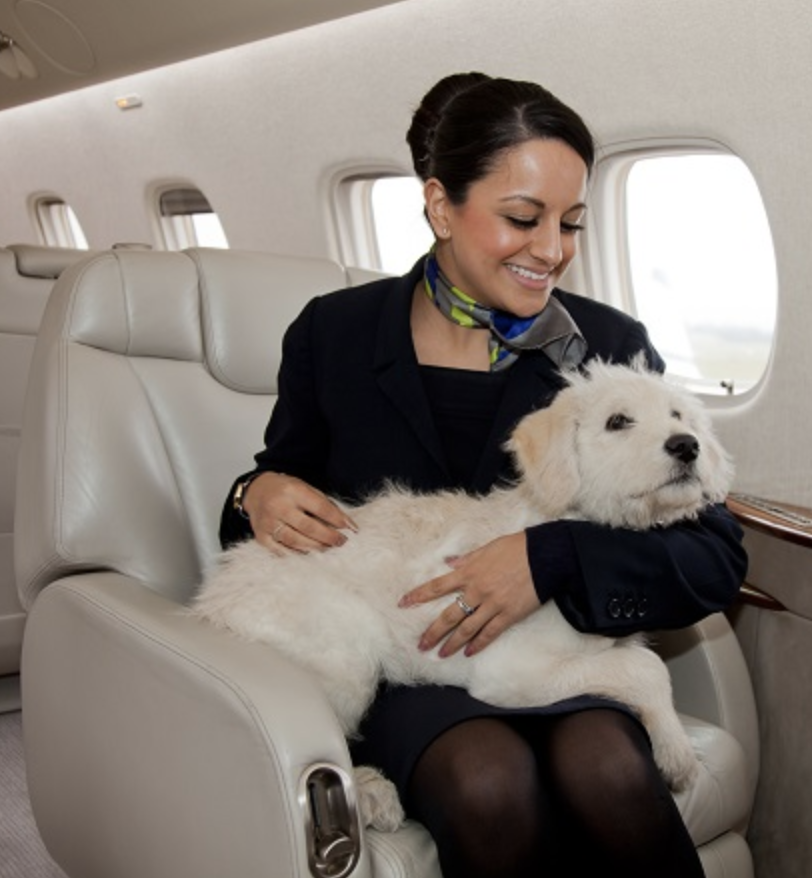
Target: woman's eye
[
  {"x": 522, "y": 223},
  {"x": 618, "y": 422},
  {"x": 571, "y": 228}
]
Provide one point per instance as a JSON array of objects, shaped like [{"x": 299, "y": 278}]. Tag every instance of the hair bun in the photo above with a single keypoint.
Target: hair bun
[{"x": 429, "y": 114}]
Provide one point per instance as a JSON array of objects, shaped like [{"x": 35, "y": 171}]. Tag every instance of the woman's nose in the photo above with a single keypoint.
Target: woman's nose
[{"x": 545, "y": 244}]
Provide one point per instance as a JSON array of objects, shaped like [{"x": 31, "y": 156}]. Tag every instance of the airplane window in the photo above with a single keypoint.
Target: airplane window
[
  {"x": 59, "y": 225},
  {"x": 702, "y": 267},
  {"x": 188, "y": 220},
  {"x": 402, "y": 231},
  {"x": 380, "y": 221}
]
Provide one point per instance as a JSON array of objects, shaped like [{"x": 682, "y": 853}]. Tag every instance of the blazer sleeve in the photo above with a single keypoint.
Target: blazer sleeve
[{"x": 616, "y": 581}]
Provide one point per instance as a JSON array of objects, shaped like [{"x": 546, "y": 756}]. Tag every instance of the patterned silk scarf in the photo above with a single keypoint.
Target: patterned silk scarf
[{"x": 552, "y": 330}]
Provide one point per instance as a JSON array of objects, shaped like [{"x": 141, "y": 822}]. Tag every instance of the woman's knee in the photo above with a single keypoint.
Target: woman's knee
[
  {"x": 484, "y": 768},
  {"x": 605, "y": 753},
  {"x": 504, "y": 788}
]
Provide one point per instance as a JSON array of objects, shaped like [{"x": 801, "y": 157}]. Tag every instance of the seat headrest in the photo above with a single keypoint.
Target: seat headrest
[
  {"x": 136, "y": 303},
  {"x": 248, "y": 300},
  {"x": 49, "y": 262},
  {"x": 227, "y": 308},
  {"x": 22, "y": 299}
]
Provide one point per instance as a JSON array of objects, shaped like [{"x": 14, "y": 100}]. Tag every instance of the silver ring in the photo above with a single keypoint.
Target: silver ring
[
  {"x": 466, "y": 608},
  {"x": 277, "y": 530}
]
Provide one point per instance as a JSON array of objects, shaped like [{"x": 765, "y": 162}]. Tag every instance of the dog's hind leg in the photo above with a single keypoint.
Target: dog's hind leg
[
  {"x": 634, "y": 675},
  {"x": 378, "y": 800},
  {"x": 630, "y": 674}
]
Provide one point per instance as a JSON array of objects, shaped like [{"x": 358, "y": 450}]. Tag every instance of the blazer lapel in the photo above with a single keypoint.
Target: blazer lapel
[
  {"x": 533, "y": 381},
  {"x": 397, "y": 369}
]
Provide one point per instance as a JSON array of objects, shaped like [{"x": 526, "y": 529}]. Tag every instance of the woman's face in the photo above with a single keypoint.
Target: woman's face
[{"x": 513, "y": 238}]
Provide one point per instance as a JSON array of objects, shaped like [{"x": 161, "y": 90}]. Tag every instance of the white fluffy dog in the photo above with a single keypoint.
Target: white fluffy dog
[{"x": 618, "y": 446}]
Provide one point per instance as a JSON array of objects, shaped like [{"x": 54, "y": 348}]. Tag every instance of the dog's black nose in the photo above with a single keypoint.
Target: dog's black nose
[{"x": 683, "y": 446}]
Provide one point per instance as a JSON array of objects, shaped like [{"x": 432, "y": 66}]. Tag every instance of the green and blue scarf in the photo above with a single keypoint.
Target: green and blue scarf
[{"x": 552, "y": 330}]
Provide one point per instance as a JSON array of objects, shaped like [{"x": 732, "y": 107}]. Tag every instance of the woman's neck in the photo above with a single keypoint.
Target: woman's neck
[{"x": 440, "y": 342}]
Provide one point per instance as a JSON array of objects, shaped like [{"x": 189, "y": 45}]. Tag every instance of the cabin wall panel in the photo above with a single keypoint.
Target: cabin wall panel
[
  {"x": 263, "y": 129},
  {"x": 778, "y": 649}
]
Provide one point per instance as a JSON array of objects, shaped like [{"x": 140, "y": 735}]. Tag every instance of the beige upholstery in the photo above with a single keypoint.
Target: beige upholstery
[
  {"x": 27, "y": 274},
  {"x": 156, "y": 745}
]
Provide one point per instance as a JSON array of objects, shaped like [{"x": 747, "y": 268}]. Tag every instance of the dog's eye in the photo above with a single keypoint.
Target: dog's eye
[
  {"x": 619, "y": 422},
  {"x": 676, "y": 414}
]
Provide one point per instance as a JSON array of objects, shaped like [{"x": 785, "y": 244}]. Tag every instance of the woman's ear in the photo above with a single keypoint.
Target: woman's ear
[
  {"x": 543, "y": 444},
  {"x": 437, "y": 208}
]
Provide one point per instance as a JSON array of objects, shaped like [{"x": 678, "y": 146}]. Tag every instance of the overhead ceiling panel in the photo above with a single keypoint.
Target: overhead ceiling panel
[{"x": 74, "y": 43}]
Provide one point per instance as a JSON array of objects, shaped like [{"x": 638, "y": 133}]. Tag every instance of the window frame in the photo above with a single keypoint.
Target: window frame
[
  {"x": 176, "y": 227},
  {"x": 352, "y": 216},
  {"x": 605, "y": 262},
  {"x": 58, "y": 223}
]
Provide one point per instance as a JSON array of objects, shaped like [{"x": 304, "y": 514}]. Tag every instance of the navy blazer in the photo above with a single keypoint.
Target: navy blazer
[{"x": 352, "y": 413}]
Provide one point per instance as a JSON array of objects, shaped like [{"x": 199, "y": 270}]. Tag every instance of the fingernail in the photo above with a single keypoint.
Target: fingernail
[
  {"x": 423, "y": 646},
  {"x": 403, "y": 602}
]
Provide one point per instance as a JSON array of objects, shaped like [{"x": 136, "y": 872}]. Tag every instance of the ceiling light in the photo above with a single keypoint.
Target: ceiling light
[
  {"x": 128, "y": 102},
  {"x": 14, "y": 62}
]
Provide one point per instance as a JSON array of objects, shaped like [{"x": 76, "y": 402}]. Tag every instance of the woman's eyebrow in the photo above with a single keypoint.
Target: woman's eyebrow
[{"x": 537, "y": 202}]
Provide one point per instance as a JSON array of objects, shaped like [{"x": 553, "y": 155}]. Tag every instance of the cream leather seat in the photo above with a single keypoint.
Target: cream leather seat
[
  {"x": 27, "y": 275},
  {"x": 157, "y": 746}
]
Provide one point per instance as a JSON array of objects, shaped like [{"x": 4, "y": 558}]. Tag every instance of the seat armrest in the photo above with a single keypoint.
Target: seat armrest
[
  {"x": 711, "y": 682},
  {"x": 125, "y": 691}
]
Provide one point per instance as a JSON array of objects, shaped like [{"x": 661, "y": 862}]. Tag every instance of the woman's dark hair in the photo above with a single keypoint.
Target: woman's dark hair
[{"x": 467, "y": 120}]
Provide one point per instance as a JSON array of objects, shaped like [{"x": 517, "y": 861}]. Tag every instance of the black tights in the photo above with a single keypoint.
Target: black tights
[{"x": 550, "y": 796}]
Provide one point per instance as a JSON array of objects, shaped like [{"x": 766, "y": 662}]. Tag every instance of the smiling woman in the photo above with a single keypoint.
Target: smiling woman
[{"x": 444, "y": 361}]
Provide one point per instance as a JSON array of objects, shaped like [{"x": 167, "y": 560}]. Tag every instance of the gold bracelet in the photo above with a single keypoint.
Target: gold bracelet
[{"x": 239, "y": 495}]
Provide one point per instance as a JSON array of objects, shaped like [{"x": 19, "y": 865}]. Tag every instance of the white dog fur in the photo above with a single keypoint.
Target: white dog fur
[{"x": 598, "y": 453}]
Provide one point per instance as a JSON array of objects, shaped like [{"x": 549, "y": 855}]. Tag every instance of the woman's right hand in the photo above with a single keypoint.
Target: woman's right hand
[{"x": 287, "y": 513}]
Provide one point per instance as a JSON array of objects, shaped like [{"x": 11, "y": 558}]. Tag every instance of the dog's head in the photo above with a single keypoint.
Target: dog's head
[{"x": 621, "y": 446}]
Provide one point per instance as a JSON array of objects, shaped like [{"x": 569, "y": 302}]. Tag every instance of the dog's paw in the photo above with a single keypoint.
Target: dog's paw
[
  {"x": 378, "y": 800},
  {"x": 678, "y": 763}
]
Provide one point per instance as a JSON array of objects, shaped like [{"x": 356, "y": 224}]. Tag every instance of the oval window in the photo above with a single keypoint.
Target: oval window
[{"x": 702, "y": 267}]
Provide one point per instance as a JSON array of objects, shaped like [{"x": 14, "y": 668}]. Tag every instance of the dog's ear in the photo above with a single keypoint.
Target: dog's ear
[
  {"x": 720, "y": 468},
  {"x": 543, "y": 444}
]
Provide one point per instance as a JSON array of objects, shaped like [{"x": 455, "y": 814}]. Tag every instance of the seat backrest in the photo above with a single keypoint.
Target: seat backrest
[
  {"x": 27, "y": 275},
  {"x": 152, "y": 380}
]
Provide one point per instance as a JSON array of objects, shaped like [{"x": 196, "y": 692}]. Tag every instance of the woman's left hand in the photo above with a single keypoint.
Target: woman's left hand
[{"x": 494, "y": 581}]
